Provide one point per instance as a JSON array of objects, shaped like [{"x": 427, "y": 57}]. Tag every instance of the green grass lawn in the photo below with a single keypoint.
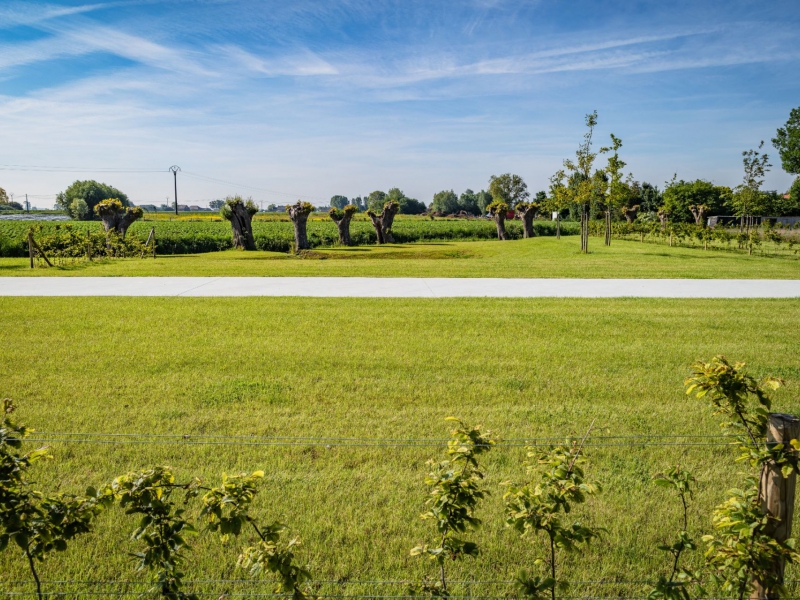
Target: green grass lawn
[
  {"x": 368, "y": 368},
  {"x": 538, "y": 257}
]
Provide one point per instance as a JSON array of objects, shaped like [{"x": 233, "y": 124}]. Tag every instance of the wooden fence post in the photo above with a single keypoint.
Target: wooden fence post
[
  {"x": 32, "y": 242},
  {"x": 30, "y": 247},
  {"x": 777, "y": 491},
  {"x": 89, "y": 244}
]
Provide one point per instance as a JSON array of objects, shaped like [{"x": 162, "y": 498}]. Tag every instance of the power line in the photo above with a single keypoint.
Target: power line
[{"x": 77, "y": 169}]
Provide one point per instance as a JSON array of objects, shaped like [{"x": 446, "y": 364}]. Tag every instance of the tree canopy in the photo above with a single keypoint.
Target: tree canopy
[
  {"x": 376, "y": 200},
  {"x": 787, "y": 143},
  {"x": 92, "y": 193},
  {"x": 508, "y": 188},
  {"x": 339, "y": 201},
  {"x": 680, "y": 195},
  {"x": 445, "y": 202}
]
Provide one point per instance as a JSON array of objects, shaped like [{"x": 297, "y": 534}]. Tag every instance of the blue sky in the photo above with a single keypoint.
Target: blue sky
[{"x": 313, "y": 98}]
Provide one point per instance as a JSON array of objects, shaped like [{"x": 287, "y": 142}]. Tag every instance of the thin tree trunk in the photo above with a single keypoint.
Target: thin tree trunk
[
  {"x": 35, "y": 574},
  {"x": 584, "y": 229},
  {"x": 558, "y": 226},
  {"x": 608, "y": 228}
]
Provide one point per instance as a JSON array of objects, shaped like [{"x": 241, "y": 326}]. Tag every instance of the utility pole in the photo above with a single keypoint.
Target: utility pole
[
  {"x": 27, "y": 204},
  {"x": 175, "y": 169}
]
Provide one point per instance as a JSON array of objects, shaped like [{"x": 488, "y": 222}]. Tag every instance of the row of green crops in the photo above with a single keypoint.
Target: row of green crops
[{"x": 176, "y": 237}]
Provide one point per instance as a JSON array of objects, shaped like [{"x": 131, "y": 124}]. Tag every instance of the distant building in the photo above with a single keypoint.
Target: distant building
[{"x": 148, "y": 207}]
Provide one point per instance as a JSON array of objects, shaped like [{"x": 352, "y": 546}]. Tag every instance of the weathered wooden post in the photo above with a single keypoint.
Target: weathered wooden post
[
  {"x": 777, "y": 492},
  {"x": 30, "y": 247}
]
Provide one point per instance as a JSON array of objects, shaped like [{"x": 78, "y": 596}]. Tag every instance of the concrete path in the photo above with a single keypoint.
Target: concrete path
[{"x": 367, "y": 287}]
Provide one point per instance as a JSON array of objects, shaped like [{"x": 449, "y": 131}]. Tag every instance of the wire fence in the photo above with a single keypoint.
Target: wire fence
[{"x": 252, "y": 440}]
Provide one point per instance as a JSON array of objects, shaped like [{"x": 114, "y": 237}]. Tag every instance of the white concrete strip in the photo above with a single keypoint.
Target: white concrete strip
[{"x": 399, "y": 287}]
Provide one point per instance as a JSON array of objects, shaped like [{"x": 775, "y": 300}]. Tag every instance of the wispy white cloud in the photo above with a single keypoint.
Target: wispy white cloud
[
  {"x": 303, "y": 65},
  {"x": 13, "y": 14},
  {"x": 336, "y": 97}
]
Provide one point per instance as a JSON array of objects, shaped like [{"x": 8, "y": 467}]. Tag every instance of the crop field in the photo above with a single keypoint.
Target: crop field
[
  {"x": 184, "y": 237},
  {"x": 341, "y": 402},
  {"x": 538, "y": 257}
]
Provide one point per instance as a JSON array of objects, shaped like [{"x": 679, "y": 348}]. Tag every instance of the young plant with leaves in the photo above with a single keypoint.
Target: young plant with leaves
[
  {"x": 35, "y": 522},
  {"x": 675, "y": 587},
  {"x": 226, "y": 510},
  {"x": 744, "y": 553},
  {"x": 163, "y": 527},
  {"x": 557, "y": 485},
  {"x": 581, "y": 169},
  {"x": 456, "y": 490},
  {"x": 558, "y": 199},
  {"x": 618, "y": 192}
]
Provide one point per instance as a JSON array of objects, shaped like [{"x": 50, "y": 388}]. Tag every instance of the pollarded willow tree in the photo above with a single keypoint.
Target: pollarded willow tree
[
  {"x": 342, "y": 217},
  {"x": 298, "y": 213},
  {"x": 498, "y": 210},
  {"x": 383, "y": 222},
  {"x": 116, "y": 217},
  {"x": 527, "y": 212},
  {"x": 508, "y": 188},
  {"x": 240, "y": 213},
  {"x": 583, "y": 190}
]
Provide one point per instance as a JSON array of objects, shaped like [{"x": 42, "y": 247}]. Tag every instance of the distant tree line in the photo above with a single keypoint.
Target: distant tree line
[{"x": 577, "y": 191}]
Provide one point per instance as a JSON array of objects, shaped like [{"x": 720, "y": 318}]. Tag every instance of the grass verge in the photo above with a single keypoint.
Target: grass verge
[
  {"x": 537, "y": 257},
  {"x": 345, "y": 368}
]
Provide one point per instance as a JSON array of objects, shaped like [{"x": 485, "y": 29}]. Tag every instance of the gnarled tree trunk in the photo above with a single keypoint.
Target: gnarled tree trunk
[
  {"x": 376, "y": 223},
  {"x": 528, "y": 213},
  {"x": 298, "y": 213},
  {"x": 342, "y": 219},
  {"x": 390, "y": 209},
  {"x": 698, "y": 212},
  {"x": 127, "y": 220},
  {"x": 500, "y": 224},
  {"x": 662, "y": 217},
  {"x": 630, "y": 213},
  {"x": 117, "y": 218},
  {"x": 241, "y": 226}
]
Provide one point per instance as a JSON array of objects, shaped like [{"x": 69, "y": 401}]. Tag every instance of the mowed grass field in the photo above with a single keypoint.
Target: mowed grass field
[
  {"x": 382, "y": 369},
  {"x": 537, "y": 257}
]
